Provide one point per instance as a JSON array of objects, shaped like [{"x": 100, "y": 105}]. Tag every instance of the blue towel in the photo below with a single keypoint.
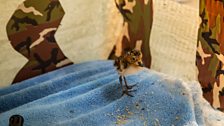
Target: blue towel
[{"x": 89, "y": 94}]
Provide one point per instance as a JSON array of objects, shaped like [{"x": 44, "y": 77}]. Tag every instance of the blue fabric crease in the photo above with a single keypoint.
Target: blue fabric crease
[{"x": 89, "y": 94}]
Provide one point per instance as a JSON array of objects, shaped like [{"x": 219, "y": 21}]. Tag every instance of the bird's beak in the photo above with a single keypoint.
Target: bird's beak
[{"x": 140, "y": 64}]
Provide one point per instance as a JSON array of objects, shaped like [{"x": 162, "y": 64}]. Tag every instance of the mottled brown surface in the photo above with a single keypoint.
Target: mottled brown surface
[
  {"x": 139, "y": 18},
  {"x": 173, "y": 39},
  {"x": 33, "y": 36},
  {"x": 210, "y": 37}
]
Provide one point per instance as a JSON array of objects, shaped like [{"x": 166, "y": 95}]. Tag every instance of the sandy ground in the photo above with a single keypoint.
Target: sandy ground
[{"x": 87, "y": 33}]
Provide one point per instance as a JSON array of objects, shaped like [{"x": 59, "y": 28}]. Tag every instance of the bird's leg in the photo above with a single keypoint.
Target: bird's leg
[
  {"x": 126, "y": 84},
  {"x": 125, "y": 90},
  {"x": 120, "y": 80}
]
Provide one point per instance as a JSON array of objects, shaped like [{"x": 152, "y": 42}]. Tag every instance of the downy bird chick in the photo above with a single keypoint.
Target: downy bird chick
[{"x": 129, "y": 58}]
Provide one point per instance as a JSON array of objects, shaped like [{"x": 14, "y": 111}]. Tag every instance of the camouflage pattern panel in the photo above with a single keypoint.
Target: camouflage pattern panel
[
  {"x": 210, "y": 52},
  {"x": 31, "y": 31},
  {"x": 137, "y": 16}
]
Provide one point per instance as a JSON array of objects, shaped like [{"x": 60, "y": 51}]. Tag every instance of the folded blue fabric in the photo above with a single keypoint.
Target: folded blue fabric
[{"x": 89, "y": 94}]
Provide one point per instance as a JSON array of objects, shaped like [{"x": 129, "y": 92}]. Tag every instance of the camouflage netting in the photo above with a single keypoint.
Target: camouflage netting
[
  {"x": 137, "y": 15},
  {"x": 31, "y": 31},
  {"x": 32, "y": 27},
  {"x": 210, "y": 51}
]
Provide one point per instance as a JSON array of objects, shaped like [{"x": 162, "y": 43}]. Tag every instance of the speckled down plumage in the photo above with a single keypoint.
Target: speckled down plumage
[{"x": 89, "y": 94}]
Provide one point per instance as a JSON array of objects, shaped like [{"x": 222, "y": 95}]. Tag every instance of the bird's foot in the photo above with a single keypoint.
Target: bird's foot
[
  {"x": 127, "y": 92},
  {"x": 131, "y": 86}
]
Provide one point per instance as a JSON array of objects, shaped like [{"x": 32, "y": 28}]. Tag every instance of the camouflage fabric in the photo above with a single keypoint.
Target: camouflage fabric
[
  {"x": 137, "y": 15},
  {"x": 210, "y": 52},
  {"x": 31, "y": 31}
]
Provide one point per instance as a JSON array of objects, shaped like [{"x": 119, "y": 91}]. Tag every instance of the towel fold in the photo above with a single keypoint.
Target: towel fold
[{"x": 89, "y": 94}]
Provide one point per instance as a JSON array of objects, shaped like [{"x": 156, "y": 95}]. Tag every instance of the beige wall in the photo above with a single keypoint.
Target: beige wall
[{"x": 89, "y": 30}]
